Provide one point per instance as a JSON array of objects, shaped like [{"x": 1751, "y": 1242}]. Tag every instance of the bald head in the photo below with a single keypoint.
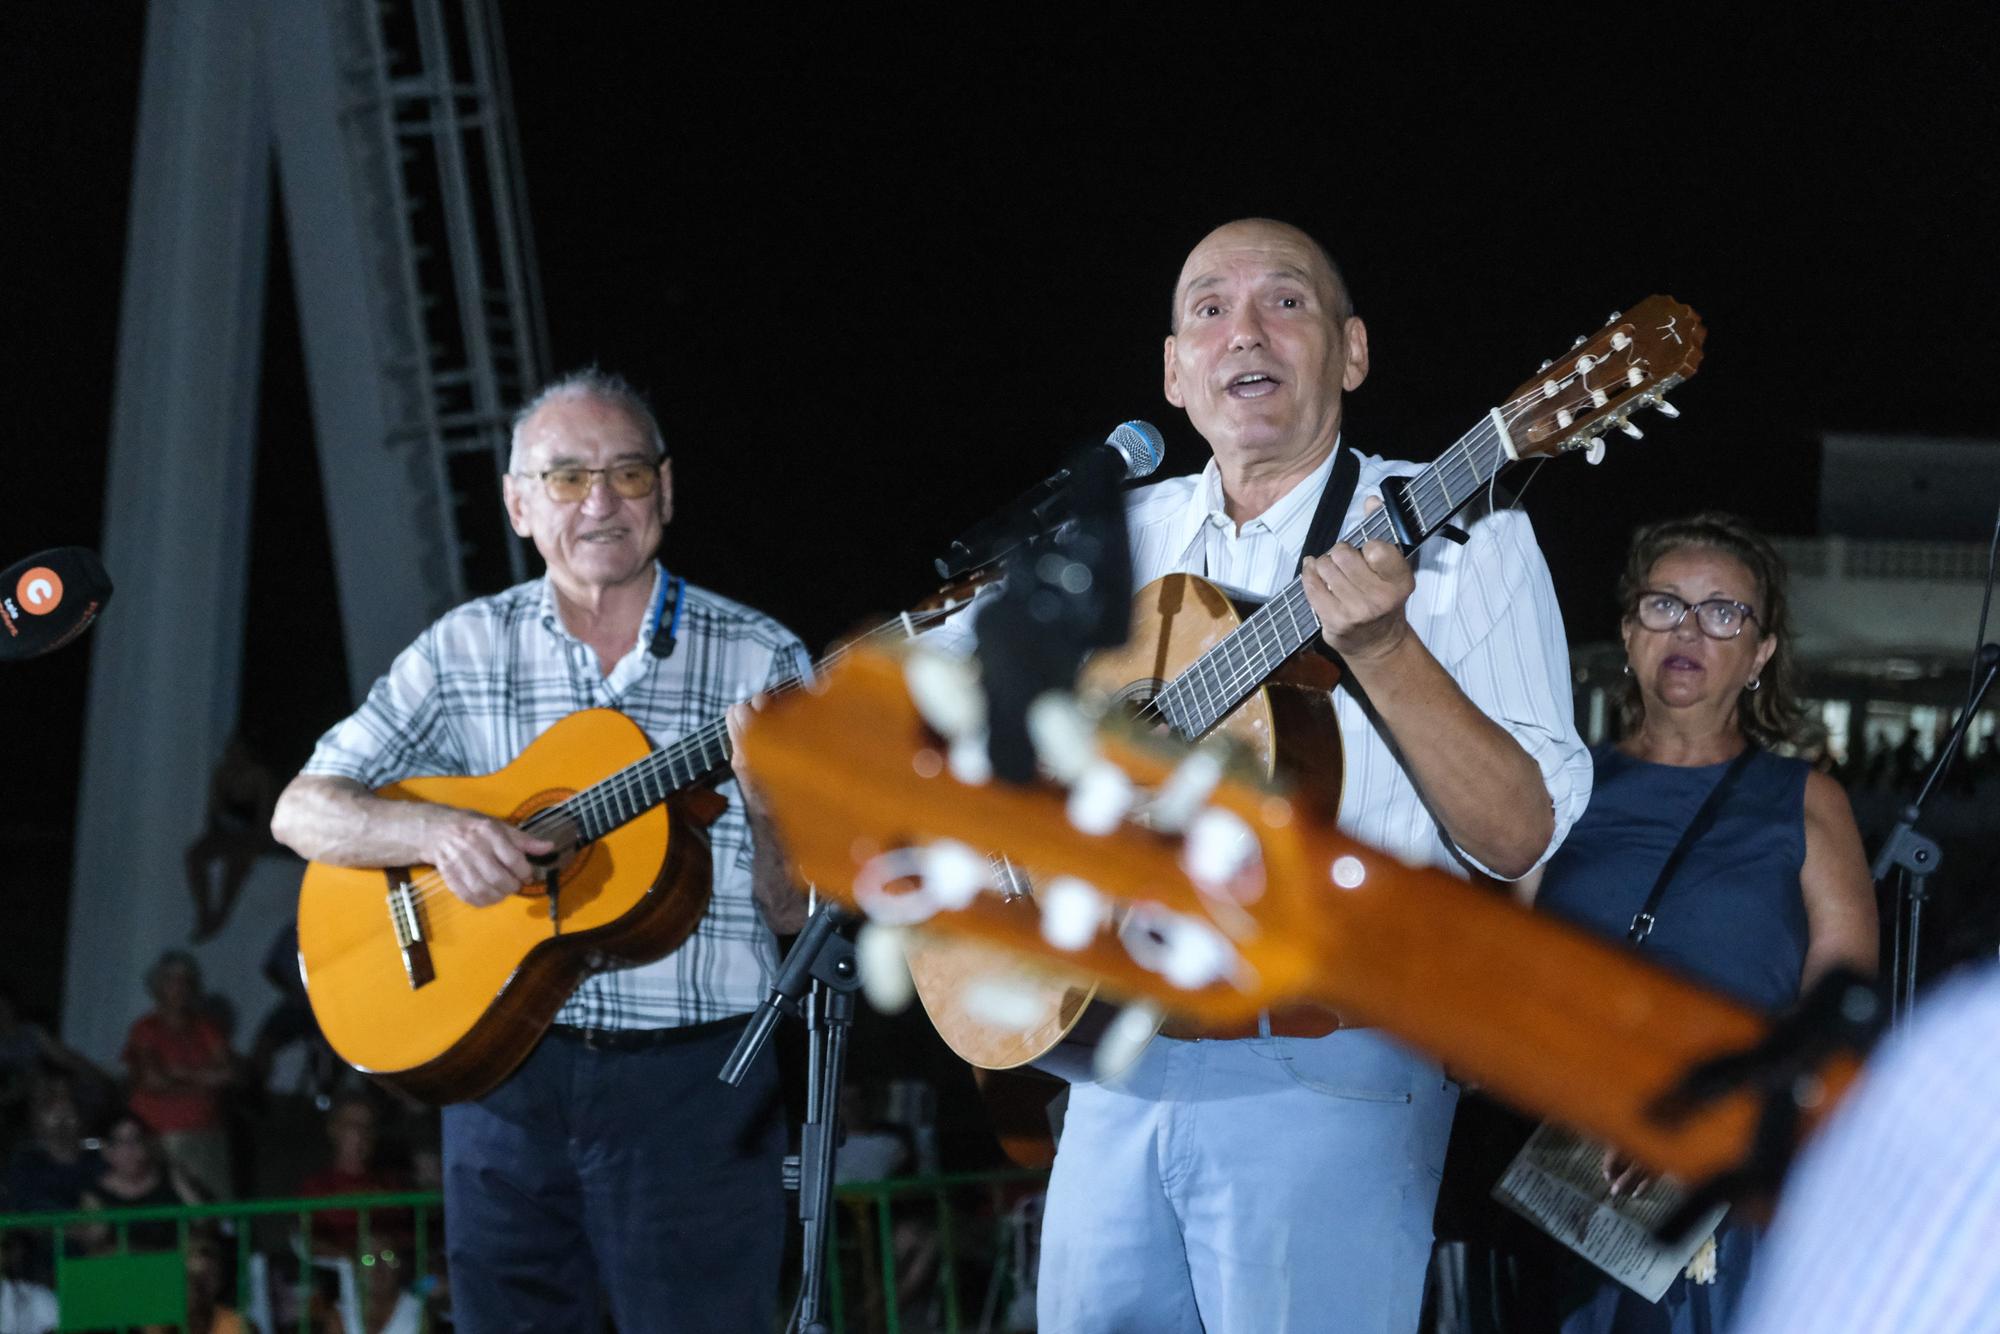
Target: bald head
[
  {"x": 1263, "y": 348},
  {"x": 1314, "y": 265}
]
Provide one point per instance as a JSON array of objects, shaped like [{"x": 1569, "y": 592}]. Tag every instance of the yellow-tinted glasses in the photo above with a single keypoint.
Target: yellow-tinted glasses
[{"x": 572, "y": 481}]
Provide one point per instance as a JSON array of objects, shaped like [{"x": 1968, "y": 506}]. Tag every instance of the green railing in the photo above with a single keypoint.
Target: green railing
[
  {"x": 867, "y": 1218},
  {"x": 961, "y": 1225},
  {"x": 146, "y": 1284}
]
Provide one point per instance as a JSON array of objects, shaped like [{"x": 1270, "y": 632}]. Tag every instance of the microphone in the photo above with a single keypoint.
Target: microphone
[
  {"x": 49, "y": 599},
  {"x": 1129, "y": 453}
]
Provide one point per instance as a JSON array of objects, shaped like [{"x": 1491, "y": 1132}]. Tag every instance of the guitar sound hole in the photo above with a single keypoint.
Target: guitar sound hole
[
  {"x": 576, "y": 863},
  {"x": 1135, "y": 702}
]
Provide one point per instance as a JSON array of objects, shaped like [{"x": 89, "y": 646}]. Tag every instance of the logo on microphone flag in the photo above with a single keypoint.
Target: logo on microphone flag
[{"x": 39, "y": 591}]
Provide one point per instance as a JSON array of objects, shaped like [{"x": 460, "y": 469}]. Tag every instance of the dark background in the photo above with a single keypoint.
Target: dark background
[{"x": 880, "y": 275}]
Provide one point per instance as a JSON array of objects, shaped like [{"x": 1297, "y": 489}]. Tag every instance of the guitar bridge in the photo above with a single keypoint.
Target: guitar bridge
[{"x": 406, "y": 915}]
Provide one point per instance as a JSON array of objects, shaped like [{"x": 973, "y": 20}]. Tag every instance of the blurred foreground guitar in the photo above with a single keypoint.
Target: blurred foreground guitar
[
  {"x": 1198, "y": 664},
  {"x": 1215, "y": 894},
  {"x": 413, "y": 986}
]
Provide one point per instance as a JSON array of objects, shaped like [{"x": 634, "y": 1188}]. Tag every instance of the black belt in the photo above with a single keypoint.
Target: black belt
[{"x": 642, "y": 1039}]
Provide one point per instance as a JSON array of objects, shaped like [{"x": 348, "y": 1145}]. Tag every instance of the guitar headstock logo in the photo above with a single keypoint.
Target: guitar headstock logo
[{"x": 39, "y": 591}]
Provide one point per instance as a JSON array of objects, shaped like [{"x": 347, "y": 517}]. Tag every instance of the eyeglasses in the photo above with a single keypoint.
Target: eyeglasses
[
  {"x": 1719, "y": 618},
  {"x": 631, "y": 481}
]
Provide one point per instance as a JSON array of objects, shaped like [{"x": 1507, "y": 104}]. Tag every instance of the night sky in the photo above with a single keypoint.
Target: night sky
[{"x": 881, "y": 276}]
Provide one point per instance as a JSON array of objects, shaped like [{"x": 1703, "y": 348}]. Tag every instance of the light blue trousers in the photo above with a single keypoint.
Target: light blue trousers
[{"x": 1254, "y": 1186}]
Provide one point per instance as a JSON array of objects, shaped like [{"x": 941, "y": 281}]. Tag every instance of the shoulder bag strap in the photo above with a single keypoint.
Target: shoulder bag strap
[{"x": 1642, "y": 921}]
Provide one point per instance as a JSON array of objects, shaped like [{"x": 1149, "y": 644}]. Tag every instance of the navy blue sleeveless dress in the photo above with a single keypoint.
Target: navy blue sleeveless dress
[{"x": 1733, "y": 917}]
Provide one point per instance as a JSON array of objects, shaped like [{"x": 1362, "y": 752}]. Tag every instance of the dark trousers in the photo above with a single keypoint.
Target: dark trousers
[{"x": 633, "y": 1176}]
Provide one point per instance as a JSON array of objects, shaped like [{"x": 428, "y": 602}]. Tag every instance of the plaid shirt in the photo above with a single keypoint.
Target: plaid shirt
[{"x": 488, "y": 678}]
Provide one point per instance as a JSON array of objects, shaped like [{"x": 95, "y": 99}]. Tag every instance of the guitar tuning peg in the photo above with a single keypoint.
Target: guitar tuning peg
[
  {"x": 1186, "y": 788},
  {"x": 969, "y": 760},
  {"x": 946, "y": 692},
  {"x": 1580, "y": 340},
  {"x": 1064, "y": 740},
  {"x": 1196, "y": 955},
  {"x": 953, "y": 873},
  {"x": 1629, "y": 428},
  {"x": 1667, "y": 409},
  {"x": 1613, "y": 318},
  {"x": 884, "y": 967},
  {"x": 1072, "y": 912},
  {"x": 1186, "y": 951},
  {"x": 1124, "y": 1038},
  {"x": 1545, "y": 365},
  {"x": 905, "y": 907},
  {"x": 1004, "y": 1003},
  {"x": 1100, "y": 798},
  {"x": 1593, "y": 453},
  {"x": 1220, "y": 847}
]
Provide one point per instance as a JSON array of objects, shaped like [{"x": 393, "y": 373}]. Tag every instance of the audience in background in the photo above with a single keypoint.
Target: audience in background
[
  {"x": 180, "y": 1064},
  {"x": 209, "y": 1289},
  {"x": 52, "y": 1168},
  {"x": 135, "y": 1176},
  {"x": 50, "y": 1171},
  {"x": 27, "y": 1305},
  {"x": 25, "y": 1049},
  {"x": 353, "y": 1126}
]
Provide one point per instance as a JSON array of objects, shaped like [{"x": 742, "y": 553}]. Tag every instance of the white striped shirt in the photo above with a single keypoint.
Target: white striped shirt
[
  {"x": 1486, "y": 611},
  {"x": 1891, "y": 1220},
  {"x": 489, "y": 677}
]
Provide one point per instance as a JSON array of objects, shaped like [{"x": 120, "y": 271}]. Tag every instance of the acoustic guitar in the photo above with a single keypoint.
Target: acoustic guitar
[
  {"x": 1546, "y": 1016},
  {"x": 421, "y": 990},
  {"x": 1198, "y": 663}
]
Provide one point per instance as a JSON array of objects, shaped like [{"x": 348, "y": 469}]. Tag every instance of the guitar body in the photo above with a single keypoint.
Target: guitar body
[
  {"x": 453, "y": 1016},
  {"x": 1288, "y": 725}
]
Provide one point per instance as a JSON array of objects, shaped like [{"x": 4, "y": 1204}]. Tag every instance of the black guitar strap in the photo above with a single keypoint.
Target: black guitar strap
[
  {"x": 1333, "y": 503},
  {"x": 1325, "y": 529}
]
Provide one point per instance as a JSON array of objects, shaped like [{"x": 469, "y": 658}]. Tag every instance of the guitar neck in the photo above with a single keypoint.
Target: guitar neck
[
  {"x": 1224, "y": 676},
  {"x": 637, "y": 788}
]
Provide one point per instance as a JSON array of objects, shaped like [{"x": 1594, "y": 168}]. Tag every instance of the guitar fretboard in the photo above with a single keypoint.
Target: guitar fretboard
[
  {"x": 642, "y": 785},
  {"x": 1224, "y": 676}
]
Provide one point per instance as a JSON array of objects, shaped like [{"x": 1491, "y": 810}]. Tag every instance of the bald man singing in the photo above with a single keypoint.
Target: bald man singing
[{"x": 1285, "y": 1182}]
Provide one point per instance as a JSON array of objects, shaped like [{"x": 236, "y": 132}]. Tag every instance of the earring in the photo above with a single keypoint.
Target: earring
[
  {"x": 1755, "y": 681},
  {"x": 1627, "y": 669}
]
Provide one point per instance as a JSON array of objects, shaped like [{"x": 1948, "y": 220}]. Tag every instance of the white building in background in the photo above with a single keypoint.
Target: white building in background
[{"x": 1885, "y": 604}]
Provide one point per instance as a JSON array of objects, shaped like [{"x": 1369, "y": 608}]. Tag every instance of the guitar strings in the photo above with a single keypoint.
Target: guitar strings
[
  {"x": 1243, "y": 673},
  {"x": 430, "y": 892}
]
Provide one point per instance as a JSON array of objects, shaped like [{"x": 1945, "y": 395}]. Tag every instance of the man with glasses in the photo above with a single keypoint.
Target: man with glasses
[{"x": 613, "y": 1160}]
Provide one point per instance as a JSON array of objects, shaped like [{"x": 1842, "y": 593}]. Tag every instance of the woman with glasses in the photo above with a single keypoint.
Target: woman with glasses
[{"x": 1771, "y": 890}]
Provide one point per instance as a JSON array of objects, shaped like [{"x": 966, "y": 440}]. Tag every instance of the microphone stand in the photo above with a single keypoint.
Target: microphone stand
[
  {"x": 817, "y": 981},
  {"x": 1916, "y": 857}
]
